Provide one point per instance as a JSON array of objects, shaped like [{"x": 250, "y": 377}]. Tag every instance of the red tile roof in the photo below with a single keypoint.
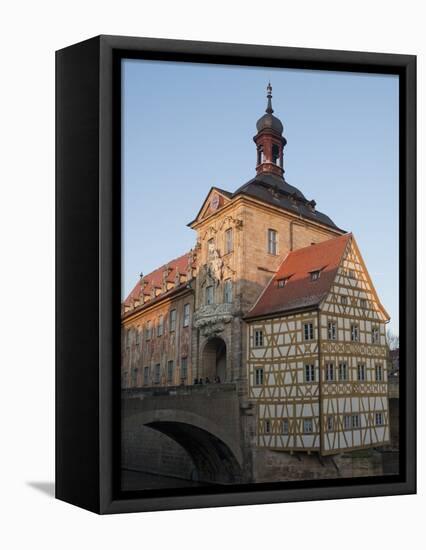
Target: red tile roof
[
  {"x": 155, "y": 278},
  {"x": 299, "y": 290}
]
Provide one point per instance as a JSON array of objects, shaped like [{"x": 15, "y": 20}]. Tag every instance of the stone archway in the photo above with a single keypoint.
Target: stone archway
[{"x": 214, "y": 359}]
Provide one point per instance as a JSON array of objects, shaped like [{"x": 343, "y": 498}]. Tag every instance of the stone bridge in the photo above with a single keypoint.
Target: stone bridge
[{"x": 206, "y": 421}]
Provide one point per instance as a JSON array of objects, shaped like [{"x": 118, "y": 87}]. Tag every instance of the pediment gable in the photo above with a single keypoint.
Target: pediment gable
[{"x": 216, "y": 199}]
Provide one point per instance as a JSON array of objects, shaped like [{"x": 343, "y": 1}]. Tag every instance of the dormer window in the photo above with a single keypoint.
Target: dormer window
[
  {"x": 315, "y": 275},
  {"x": 275, "y": 154},
  {"x": 282, "y": 282}
]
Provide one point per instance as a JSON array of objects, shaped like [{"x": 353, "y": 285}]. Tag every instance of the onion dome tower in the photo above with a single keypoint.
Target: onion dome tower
[{"x": 269, "y": 141}]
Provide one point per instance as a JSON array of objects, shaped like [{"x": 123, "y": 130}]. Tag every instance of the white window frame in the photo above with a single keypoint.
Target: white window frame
[
  {"x": 354, "y": 333},
  {"x": 379, "y": 419},
  {"x": 258, "y": 338},
  {"x": 308, "y": 331},
  {"x": 375, "y": 335},
  {"x": 309, "y": 373},
  {"x": 259, "y": 376},
  {"x": 361, "y": 374},
  {"x": 343, "y": 369},
  {"x": 378, "y": 368},
  {"x": 332, "y": 330},
  {"x": 308, "y": 425},
  {"x": 272, "y": 242}
]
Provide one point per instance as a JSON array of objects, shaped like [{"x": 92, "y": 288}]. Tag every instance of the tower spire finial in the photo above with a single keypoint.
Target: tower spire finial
[{"x": 269, "y": 108}]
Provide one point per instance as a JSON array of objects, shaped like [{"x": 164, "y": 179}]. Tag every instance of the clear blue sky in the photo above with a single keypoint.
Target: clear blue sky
[{"x": 188, "y": 127}]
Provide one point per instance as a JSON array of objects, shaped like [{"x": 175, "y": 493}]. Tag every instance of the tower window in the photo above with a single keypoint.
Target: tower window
[
  {"x": 272, "y": 242},
  {"x": 275, "y": 154},
  {"x": 259, "y": 155}
]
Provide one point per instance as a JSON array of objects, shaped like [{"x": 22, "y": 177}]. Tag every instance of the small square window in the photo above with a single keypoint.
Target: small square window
[{"x": 308, "y": 425}]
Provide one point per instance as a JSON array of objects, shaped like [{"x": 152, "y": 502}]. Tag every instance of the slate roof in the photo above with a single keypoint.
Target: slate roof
[
  {"x": 299, "y": 290},
  {"x": 276, "y": 191},
  {"x": 155, "y": 278}
]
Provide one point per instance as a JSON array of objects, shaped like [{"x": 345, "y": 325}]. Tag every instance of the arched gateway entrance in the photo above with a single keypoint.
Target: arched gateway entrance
[{"x": 214, "y": 359}]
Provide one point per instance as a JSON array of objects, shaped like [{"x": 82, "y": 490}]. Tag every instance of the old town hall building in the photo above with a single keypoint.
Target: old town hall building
[{"x": 275, "y": 298}]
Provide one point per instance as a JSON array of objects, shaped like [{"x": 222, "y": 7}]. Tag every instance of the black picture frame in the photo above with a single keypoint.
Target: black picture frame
[{"x": 88, "y": 272}]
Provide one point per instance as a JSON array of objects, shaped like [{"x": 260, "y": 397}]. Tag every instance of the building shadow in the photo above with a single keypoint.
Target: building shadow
[{"x": 46, "y": 487}]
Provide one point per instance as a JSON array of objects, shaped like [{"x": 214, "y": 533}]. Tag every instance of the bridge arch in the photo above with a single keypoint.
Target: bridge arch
[{"x": 216, "y": 458}]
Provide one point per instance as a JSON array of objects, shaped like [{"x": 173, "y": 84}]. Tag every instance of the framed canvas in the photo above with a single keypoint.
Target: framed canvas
[{"x": 236, "y": 288}]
